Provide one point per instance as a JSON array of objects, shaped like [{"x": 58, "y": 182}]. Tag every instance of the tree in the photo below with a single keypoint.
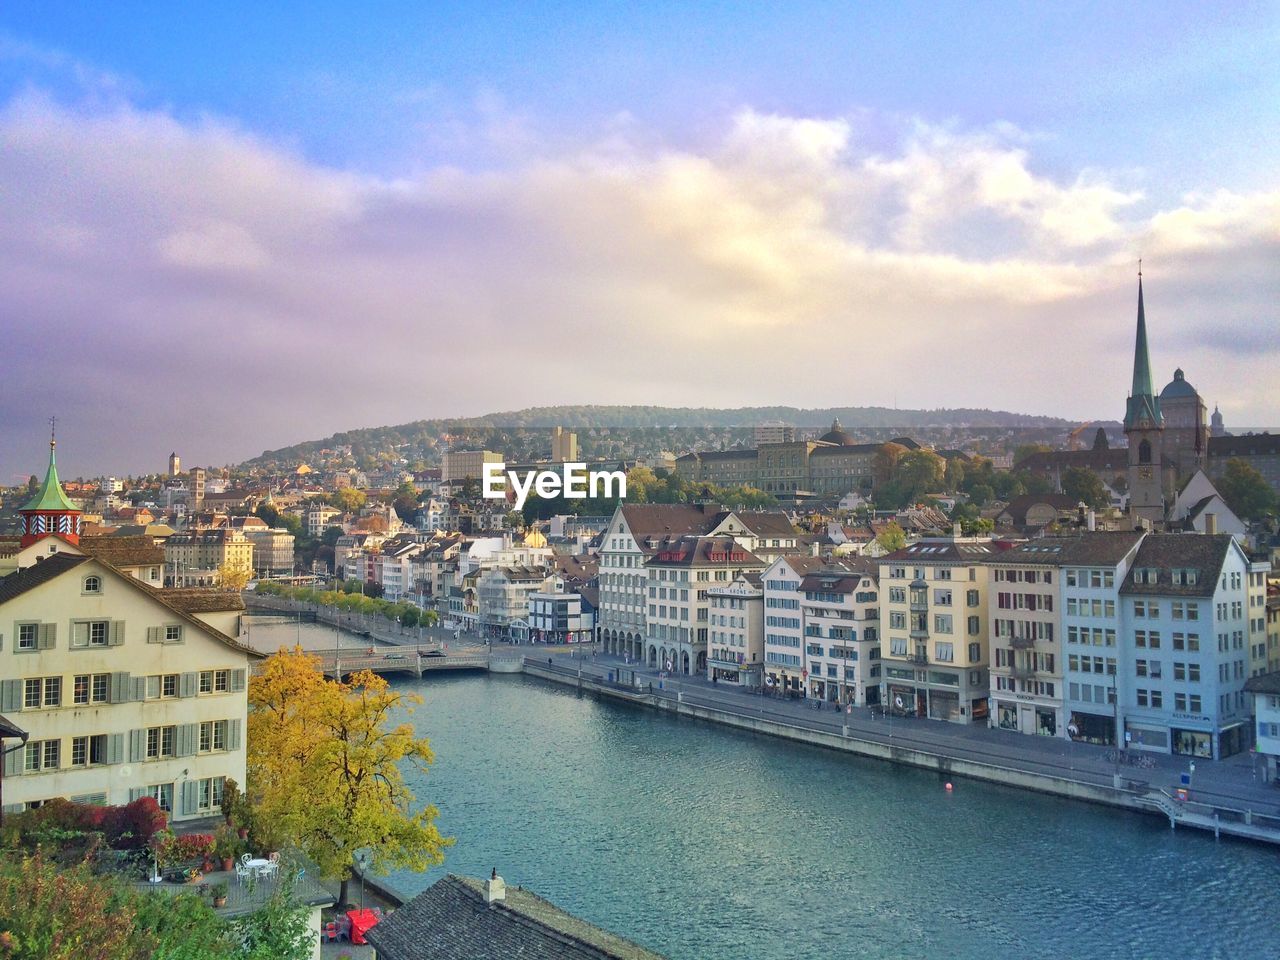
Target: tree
[
  {"x": 1084, "y": 486},
  {"x": 885, "y": 461},
  {"x": 348, "y": 499},
  {"x": 325, "y": 765},
  {"x": 919, "y": 472},
  {"x": 232, "y": 577},
  {"x": 514, "y": 520},
  {"x": 892, "y": 537},
  {"x": 1245, "y": 490},
  {"x": 405, "y": 502},
  {"x": 980, "y": 494}
]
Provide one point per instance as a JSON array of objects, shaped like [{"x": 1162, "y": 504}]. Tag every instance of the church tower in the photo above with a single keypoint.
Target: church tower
[
  {"x": 49, "y": 511},
  {"x": 1144, "y": 426}
]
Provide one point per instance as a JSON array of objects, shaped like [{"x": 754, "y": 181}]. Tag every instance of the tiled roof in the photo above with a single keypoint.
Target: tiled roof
[
  {"x": 702, "y": 552},
  {"x": 1101, "y": 548},
  {"x": 1265, "y": 683},
  {"x": 767, "y": 523},
  {"x": 200, "y": 599},
  {"x": 663, "y": 520},
  {"x": 1166, "y": 552},
  {"x": 451, "y": 921},
  {"x": 1018, "y": 506},
  {"x": 1253, "y": 445},
  {"x": 124, "y": 551},
  {"x": 28, "y": 578},
  {"x": 942, "y": 551}
]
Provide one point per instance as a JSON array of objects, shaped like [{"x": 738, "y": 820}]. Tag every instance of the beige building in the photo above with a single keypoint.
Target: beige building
[
  {"x": 126, "y": 690},
  {"x": 564, "y": 446},
  {"x": 933, "y": 621},
  {"x": 735, "y": 641},
  {"x": 193, "y": 559},
  {"x": 272, "y": 550},
  {"x": 460, "y": 465}
]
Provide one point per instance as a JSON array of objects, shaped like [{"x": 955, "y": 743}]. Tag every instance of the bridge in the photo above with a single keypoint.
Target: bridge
[{"x": 416, "y": 660}]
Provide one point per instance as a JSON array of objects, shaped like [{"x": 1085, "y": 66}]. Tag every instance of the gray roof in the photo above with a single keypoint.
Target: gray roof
[
  {"x": 451, "y": 921},
  {"x": 1179, "y": 551},
  {"x": 1265, "y": 683},
  {"x": 1086, "y": 549}
]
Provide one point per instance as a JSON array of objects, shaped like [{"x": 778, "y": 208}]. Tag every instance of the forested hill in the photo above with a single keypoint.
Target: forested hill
[{"x": 632, "y": 430}]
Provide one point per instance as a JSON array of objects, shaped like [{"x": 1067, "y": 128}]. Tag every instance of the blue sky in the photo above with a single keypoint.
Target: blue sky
[{"x": 627, "y": 172}]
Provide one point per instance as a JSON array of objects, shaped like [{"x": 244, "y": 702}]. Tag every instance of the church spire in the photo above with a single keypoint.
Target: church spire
[
  {"x": 49, "y": 511},
  {"x": 1143, "y": 407}
]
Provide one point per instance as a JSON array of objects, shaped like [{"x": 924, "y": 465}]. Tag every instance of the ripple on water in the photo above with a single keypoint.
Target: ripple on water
[{"x": 709, "y": 844}]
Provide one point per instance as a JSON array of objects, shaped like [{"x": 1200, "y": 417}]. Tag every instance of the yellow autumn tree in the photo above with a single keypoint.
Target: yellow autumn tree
[
  {"x": 233, "y": 577},
  {"x": 326, "y": 764}
]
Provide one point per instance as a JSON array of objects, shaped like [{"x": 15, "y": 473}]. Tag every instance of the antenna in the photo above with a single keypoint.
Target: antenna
[{"x": 53, "y": 430}]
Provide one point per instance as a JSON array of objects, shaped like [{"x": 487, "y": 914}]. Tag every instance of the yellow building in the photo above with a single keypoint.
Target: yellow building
[{"x": 194, "y": 559}]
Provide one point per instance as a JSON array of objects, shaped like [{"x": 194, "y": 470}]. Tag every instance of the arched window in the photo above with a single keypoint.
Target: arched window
[
  {"x": 1144, "y": 451},
  {"x": 92, "y": 584}
]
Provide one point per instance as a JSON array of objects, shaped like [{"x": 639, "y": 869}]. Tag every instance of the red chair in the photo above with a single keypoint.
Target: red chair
[{"x": 331, "y": 932}]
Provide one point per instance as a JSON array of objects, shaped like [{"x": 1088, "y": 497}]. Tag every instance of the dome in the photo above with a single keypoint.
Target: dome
[
  {"x": 1178, "y": 387},
  {"x": 535, "y": 540},
  {"x": 837, "y": 435}
]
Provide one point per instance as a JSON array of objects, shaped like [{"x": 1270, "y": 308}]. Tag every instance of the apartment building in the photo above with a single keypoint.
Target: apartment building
[
  {"x": 841, "y": 616},
  {"x": 784, "y": 670},
  {"x": 735, "y": 638},
  {"x": 502, "y": 596},
  {"x": 1265, "y": 690},
  {"x": 556, "y": 615},
  {"x": 679, "y": 576},
  {"x": 1259, "y": 656},
  {"x": 461, "y": 465},
  {"x": 1185, "y": 629},
  {"x": 194, "y": 559},
  {"x": 1054, "y": 635},
  {"x": 125, "y": 689},
  {"x": 272, "y": 551},
  {"x": 933, "y": 612}
]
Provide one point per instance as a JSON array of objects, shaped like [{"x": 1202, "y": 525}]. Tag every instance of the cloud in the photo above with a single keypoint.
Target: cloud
[{"x": 194, "y": 284}]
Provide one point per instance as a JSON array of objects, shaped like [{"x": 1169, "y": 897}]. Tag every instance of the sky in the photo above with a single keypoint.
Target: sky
[{"x": 227, "y": 228}]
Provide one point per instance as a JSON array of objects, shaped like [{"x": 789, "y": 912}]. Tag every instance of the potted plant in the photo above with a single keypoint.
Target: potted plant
[
  {"x": 224, "y": 847},
  {"x": 219, "y": 891},
  {"x": 231, "y": 798}
]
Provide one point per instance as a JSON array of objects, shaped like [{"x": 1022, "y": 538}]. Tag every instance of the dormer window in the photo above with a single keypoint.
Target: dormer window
[{"x": 92, "y": 585}]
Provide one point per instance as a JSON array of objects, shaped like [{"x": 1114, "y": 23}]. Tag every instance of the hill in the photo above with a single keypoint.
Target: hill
[{"x": 632, "y": 431}]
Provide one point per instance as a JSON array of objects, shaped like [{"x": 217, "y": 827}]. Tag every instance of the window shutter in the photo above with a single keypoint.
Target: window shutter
[
  {"x": 154, "y": 635},
  {"x": 190, "y": 797},
  {"x": 117, "y": 633},
  {"x": 115, "y": 748},
  {"x": 233, "y": 735},
  {"x": 186, "y": 739},
  {"x": 237, "y": 680},
  {"x": 187, "y": 685},
  {"x": 139, "y": 688},
  {"x": 80, "y": 633},
  {"x": 121, "y": 691},
  {"x": 13, "y": 762},
  {"x": 10, "y": 695},
  {"x": 137, "y": 793},
  {"x": 46, "y": 634},
  {"x": 137, "y": 748}
]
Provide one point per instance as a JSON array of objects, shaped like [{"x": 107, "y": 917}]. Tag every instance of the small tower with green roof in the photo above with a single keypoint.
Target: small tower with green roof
[{"x": 49, "y": 511}]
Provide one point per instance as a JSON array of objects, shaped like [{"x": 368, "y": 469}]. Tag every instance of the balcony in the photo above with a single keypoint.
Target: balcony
[
  {"x": 918, "y": 657},
  {"x": 1022, "y": 643},
  {"x": 1023, "y": 671}
]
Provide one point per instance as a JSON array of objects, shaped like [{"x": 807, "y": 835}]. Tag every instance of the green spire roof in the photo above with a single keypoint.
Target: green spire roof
[
  {"x": 1143, "y": 407},
  {"x": 50, "y": 496}
]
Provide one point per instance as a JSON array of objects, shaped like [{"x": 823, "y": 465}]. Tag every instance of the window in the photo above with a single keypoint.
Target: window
[
  {"x": 210, "y": 794},
  {"x": 42, "y": 692},
  {"x": 1157, "y": 699},
  {"x": 162, "y": 793},
  {"x": 1194, "y": 703},
  {"x": 213, "y": 735},
  {"x": 975, "y": 652},
  {"x": 897, "y": 646},
  {"x": 945, "y": 652},
  {"x": 28, "y": 636},
  {"x": 942, "y": 623},
  {"x": 975, "y": 626},
  {"x": 91, "y": 585},
  {"x": 42, "y": 755},
  {"x": 101, "y": 688},
  {"x": 91, "y": 633},
  {"x": 88, "y": 751},
  {"x": 160, "y": 742},
  {"x": 1180, "y": 701}
]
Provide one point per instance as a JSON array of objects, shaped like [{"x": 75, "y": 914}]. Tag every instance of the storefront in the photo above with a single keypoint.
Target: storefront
[
  {"x": 1191, "y": 743},
  {"x": 1092, "y": 728},
  {"x": 1145, "y": 736},
  {"x": 1039, "y": 719}
]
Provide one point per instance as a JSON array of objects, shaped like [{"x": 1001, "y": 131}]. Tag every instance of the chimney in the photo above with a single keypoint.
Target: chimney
[
  {"x": 1210, "y": 523},
  {"x": 815, "y": 549},
  {"x": 494, "y": 888},
  {"x": 955, "y": 530},
  {"x": 1091, "y": 520}
]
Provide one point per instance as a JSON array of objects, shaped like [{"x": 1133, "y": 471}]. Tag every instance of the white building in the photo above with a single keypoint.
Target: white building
[
  {"x": 840, "y": 610},
  {"x": 735, "y": 638},
  {"x": 1265, "y": 691},
  {"x": 784, "y": 669}
]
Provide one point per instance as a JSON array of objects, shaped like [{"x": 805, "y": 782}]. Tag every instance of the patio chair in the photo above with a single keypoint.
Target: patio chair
[
  {"x": 272, "y": 869},
  {"x": 331, "y": 932},
  {"x": 246, "y": 857},
  {"x": 242, "y": 872}
]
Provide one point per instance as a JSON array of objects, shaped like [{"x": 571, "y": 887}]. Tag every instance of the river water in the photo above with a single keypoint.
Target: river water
[{"x": 704, "y": 843}]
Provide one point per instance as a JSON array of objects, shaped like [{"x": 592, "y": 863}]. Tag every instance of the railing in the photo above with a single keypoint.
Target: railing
[
  {"x": 1022, "y": 643},
  {"x": 1024, "y": 671},
  {"x": 920, "y": 658}
]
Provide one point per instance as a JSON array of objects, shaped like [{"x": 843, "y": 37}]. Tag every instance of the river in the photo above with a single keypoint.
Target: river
[{"x": 705, "y": 843}]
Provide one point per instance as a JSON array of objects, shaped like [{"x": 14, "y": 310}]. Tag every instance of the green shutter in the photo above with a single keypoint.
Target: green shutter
[
  {"x": 115, "y": 748},
  {"x": 47, "y": 634},
  {"x": 154, "y": 635},
  {"x": 233, "y": 735},
  {"x": 237, "y": 681},
  {"x": 187, "y": 685},
  {"x": 13, "y": 761},
  {"x": 186, "y": 745},
  {"x": 190, "y": 798},
  {"x": 137, "y": 747},
  {"x": 121, "y": 690},
  {"x": 117, "y": 633},
  {"x": 10, "y": 695},
  {"x": 139, "y": 688}
]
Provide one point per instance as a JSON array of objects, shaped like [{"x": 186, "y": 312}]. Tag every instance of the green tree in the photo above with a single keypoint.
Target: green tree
[
  {"x": 892, "y": 537},
  {"x": 919, "y": 472},
  {"x": 348, "y": 499},
  {"x": 327, "y": 766},
  {"x": 1084, "y": 486},
  {"x": 1245, "y": 490},
  {"x": 981, "y": 494}
]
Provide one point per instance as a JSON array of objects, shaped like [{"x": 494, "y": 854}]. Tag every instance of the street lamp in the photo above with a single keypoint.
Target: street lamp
[{"x": 362, "y": 861}]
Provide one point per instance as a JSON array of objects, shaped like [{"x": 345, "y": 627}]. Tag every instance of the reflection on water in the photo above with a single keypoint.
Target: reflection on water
[{"x": 705, "y": 843}]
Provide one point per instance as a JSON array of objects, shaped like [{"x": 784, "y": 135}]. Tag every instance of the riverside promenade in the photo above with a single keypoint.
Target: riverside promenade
[{"x": 1226, "y": 797}]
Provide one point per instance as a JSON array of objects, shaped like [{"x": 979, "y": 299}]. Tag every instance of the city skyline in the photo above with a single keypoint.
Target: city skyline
[{"x": 268, "y": 229}]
